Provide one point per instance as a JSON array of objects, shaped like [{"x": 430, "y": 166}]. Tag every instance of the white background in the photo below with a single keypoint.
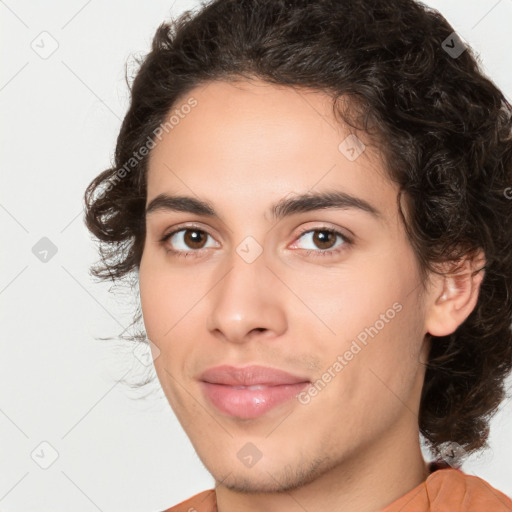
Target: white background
[{"x": 60, "y": 117}]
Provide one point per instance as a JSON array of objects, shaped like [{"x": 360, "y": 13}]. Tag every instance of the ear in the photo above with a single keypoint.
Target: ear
[{"x": 453, "y": 296}]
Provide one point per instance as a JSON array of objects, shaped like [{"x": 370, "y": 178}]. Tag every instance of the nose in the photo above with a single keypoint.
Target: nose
[{"x": 248, "y": 300}]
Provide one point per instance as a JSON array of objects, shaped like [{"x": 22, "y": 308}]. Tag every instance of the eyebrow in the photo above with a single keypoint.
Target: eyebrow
[{"x": 283, "y": 208}]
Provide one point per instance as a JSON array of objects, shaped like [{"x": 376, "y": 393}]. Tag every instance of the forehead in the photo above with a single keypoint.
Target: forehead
[{"x": 253, "y": 142}]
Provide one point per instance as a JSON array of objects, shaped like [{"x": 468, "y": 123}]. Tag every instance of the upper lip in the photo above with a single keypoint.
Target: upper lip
[{"x": 249, "y": 376}]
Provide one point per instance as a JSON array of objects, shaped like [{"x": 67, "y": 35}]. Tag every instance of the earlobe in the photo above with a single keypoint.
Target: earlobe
[{"x": 453, "y": 297}]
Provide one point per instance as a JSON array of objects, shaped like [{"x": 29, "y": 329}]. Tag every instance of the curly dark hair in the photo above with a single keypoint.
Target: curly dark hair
[{"x": 442, "y": 126}]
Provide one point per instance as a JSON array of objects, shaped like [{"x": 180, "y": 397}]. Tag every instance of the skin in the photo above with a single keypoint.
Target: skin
[{"x": 355, "y": 445}]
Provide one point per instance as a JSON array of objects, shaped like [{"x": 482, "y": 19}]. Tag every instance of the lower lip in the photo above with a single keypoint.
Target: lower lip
[{"x": 249, "y": 403}]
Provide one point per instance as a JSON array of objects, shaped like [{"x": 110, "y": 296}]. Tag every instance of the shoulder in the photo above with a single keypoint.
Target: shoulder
[
  {"x": 202, "y": 502},
  {"x": 447, "y": 490},
  {"x": 465, "y": 492}
]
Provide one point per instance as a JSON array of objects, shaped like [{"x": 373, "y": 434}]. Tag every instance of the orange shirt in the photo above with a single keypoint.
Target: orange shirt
[{"x": 445, "y": 490}]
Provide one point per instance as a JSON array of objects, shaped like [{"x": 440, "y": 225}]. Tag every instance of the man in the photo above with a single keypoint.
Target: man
[{"x": 314, "y": 197}]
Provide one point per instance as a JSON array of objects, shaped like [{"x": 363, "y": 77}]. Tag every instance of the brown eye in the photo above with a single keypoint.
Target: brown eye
[
  {"x": 186, "y": 240},
  {"x": 194, "y": 238},
  {"x": 324, "y": 239}
]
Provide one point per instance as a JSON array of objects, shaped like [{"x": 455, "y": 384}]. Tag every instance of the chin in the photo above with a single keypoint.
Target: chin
[{"x": 270, "y": 478}]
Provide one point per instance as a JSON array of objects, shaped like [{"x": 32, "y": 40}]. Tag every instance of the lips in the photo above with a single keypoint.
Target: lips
[
  {"x": 251, "y": 391},
  {"x": 250, "y": 376}
]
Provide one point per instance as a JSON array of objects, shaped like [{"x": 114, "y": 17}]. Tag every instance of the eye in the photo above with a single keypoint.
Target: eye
[
  {"x": 189, "y": 237},
  {"x": 190, "y": 240},
  {"x": 323, "y": 238}
]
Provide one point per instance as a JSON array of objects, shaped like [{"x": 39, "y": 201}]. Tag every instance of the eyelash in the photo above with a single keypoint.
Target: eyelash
[{"x": 327, "y": 252}]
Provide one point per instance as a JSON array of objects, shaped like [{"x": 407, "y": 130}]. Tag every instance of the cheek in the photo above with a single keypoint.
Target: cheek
[
  {"x": 155, "y": 302},
  {"x": 159, "y": 316},
  {"x": 167, "y": 303},
  {"x": 377, "y": 320},
  {"x": 389, "y": 364}
]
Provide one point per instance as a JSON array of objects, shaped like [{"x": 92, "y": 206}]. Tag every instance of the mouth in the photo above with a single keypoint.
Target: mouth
[{"x": 249, "y": 392}]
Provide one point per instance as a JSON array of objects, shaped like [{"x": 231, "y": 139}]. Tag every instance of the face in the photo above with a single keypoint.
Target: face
[{"x": 329, "y": 295}]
